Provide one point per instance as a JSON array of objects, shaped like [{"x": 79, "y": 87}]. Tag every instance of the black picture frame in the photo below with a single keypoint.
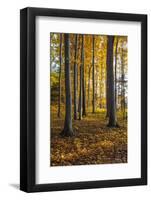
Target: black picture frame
[{"x": 28, "y": 98}]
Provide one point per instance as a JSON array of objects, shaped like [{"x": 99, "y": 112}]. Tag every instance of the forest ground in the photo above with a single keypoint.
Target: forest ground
[{"x": 93, "y": 142}]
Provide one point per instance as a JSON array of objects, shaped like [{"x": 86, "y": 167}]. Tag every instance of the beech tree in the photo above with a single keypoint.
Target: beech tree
[
  {"x": 116, "y": 49},
  {"x": 111, "y": 83},
  {"x": 83, "y": 80},
  {"x": 75, "y": 78},
  {"x": 81, "y": 76},
  {"x": 60, "y": 60},
  {"x": 67, "y": 131},
  {"x": 89, "y": 77},
  {"x": 122, "y": 83},
  {"x": 93, "y": 74}
]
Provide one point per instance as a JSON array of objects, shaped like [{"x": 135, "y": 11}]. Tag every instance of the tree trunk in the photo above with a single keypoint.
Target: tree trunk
[
  {"x": 96, "y": 84},
  {"x": 93, "y": 71},
  {"x": 78, "y": 54},
  {"x": 83, "y": 80},
  {"x": 101, "y": 87},
  {"x": 116, "y": 74},
  {"x": 89, "y": 76},
  {"x": 67, "y": 131},
  {"x": 80, "y": 91},
  {"x": 111, "y": 84},
  {"x": 107, "y": 91},
  {"x": 122, "y": 85},
  {"x": 59, "y": 99},
  {"x": 75, "y": 79},
  {"x": 100, "y": 81}
]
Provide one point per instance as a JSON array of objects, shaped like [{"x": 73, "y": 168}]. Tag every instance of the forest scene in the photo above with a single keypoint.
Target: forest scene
[{"x": 88, "y": 99}]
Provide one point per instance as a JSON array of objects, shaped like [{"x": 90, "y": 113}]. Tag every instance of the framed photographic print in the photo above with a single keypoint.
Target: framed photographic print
[{"x": 83, "y": 99}]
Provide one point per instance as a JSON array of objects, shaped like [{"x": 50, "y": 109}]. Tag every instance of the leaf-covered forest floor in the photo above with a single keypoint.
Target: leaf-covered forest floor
[{"x": 93, "y": 142}]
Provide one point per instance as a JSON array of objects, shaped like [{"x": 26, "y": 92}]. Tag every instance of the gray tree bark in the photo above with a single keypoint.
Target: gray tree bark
[
  {"x": 67, "y": 131},
  {"x": 116, "y": 73},
  {"x": 75, "y": 78},
  {"x": 60, "y": 61},
  {"x": 107, "y": 90},
  {"x": 89, "y": 76},
  {"x": 80, "y": 91},
  {"x": 83, "y": 81},
  {"x": 111, "y": 83},
  {"x": 122, "y": 85},
  {"x": 93, "y": 74}
]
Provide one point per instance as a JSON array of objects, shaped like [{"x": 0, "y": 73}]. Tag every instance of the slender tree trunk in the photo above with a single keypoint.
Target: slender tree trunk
[
  {"x": 75, "y": 79},
  {"x": 79, "y": 70},
  {"x": 80, "y": 95},
  {"x": 78, "y": 54},
  {"x": 123, "y": 85},
  {"x": 101, "y": 86},
  {"x": 111, "y": 84},
  {"x": 116, "y": 73},
  {"x": 93, "y": 74},
  {"x": 50, "y": 70},
  {"x": 100, "y": 81},
  {"x": 83, "y": 80},
  {"x": 60, "y": 61},
  {"x": 89, "y": 76},
  {"x": 67, "y": 131},
  {"x": 96, "y": 84},
  {"x": 107, "y": 91},
  {"x": 85, "y": 84}
]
